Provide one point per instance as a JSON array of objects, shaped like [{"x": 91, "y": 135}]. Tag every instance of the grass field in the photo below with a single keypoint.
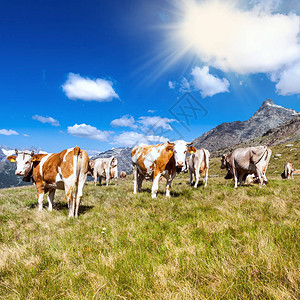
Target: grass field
[{"x": 213, "y": 243}]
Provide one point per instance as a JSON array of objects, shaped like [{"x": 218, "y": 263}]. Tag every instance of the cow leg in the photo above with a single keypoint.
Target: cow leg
[
  {"x": 134, "y": 169},
  {"x": 235, "y": 178},
  {"x": 40, "y": 200},
  {"x": 168, "y": 186},
  {"x": 191, "y": 177},
  {"x": 70, "y": 199},
  {"x": 80, "y": 186},
  {"x": 100, "y": 180},
  {"x": 205, "y": 177},
  {"x": 155, "y": 184},
  {"x": 265, "y": 180},
  {"x": 107, "y": 177},
  {"x": 260, "y": 178},
  {"x": 140, "y": 182},
  {"x": 197, "y": 176},
  {"x": 51, "y": 199},
  {"x": 240, "y": 179}
]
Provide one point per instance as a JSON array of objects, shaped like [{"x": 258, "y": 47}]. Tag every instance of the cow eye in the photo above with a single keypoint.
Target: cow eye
[{"x": 184, "y": 152}]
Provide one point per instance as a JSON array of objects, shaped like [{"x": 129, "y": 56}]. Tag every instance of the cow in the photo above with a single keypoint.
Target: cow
[
  {"x": 199, "y": 164},
  {"x": 251, "y": 178},
  {"x": 66, "y": 170},
  {"x": 288, "y": 171},
  {"x": 123, "y": 175},
  {"x": 251, "y": 160},
  {"x": 153, "y": 161},
  {"x": 106, "y": 168}
]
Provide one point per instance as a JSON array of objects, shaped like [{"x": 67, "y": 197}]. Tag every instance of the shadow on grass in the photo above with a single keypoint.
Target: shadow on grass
[
  {"x": 163, "y": 193},
  {"x": 62, "y": 207}
]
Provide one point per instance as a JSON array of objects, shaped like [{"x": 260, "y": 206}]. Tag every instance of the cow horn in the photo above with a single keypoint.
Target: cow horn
[
  {"x": 189, "y": 144},
  {"x": 170, "y": 143},
  {"x": 16, "y": 150}
]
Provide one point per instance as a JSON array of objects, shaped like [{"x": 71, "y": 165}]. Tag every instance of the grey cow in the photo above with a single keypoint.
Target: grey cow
[
  {"x": 251, "y": 160},
  {"x": 199, "y": 164}
]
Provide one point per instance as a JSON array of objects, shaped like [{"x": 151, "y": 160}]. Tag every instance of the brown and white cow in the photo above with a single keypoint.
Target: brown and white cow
[
  {"x": 66, "y": 170},
  {"x": 106, "y": 168},
  {"x": 251, "y": 160},
  {"x": 288, "y": 171},
  {"x": 153, "y": 161},
  {"x": 123, "y": 175},
  {"x": 199, "y": 164}
]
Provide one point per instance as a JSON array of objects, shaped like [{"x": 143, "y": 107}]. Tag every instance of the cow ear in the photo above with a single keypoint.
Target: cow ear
[
  {"x": 170, "y": 148},
  {"x": 36, "y": 157},
  {"x": 191, "y": 149},
  {"x": 11, "y": 158}
]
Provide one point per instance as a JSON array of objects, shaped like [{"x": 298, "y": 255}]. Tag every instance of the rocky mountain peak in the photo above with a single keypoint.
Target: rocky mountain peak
[{"x": 268, "y": 116}]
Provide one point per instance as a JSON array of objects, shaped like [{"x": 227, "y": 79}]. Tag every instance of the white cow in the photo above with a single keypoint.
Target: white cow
[
  {"x": 199, "y": 164},
  {"x": 106, "y": 168}
]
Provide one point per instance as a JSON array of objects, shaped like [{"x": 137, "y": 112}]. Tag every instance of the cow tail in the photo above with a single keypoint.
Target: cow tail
[
  {"x": 75, "y": 163},
  {"x": 267, "y": 151},
  {"x": 206, "y": 155}
]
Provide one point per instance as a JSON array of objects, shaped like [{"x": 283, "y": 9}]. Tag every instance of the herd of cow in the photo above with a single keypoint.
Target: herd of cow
[{"x": 68, "y": 170}]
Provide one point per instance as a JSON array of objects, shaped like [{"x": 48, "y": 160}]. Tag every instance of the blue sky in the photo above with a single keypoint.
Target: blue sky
[{"x": 103, "y": 74}]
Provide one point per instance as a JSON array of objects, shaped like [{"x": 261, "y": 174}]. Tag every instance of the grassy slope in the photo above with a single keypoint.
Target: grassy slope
[{"x": 208, "y": 243}]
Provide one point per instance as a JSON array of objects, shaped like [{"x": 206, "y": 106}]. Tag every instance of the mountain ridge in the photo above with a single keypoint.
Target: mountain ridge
[{"x": 227, "y": 134}]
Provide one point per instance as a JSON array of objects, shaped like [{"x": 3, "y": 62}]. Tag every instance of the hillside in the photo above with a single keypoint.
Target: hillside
[
  {"x": 268, "y": 116},
  {"x": 213, "y": 243},
  {"x": 288, "y": 132}
]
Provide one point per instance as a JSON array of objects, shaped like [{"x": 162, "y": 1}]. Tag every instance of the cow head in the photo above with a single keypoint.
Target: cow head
[
  {"x": 24, "y": 161},
  {"x": 224, "y": 162},
  {"x": 180, "y": 150}
]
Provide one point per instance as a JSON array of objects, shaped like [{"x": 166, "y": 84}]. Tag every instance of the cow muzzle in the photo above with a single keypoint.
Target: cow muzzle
[
  {"x": 20, "y": 173},
  {"x": 180, "y": 164}
]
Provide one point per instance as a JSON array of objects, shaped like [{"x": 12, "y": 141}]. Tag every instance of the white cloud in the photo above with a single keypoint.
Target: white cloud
[
  {"x": 88, "y": 131},
  {"x": 8, "y": 132},
  {"x": 49, "y": 120},
  {"x": 131, "y": 139},
  {"x": 26, "y": 135},
  {"x": 207, "y": 84},
  {"x": 151, "y": 111},
  {"x": 125, "y": 121},
  {"x": 288, "y": 81},
  {"x": 185, "y": 86},
  {"x": 171, "y": 85},
  {"x": 84, "y": 88},
  {"x": 241, "y": 40},
  {"x": 204, "y": 82},
  {"x": 155, "y": 122}
]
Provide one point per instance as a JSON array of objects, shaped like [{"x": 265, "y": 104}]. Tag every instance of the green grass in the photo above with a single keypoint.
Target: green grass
[{"x": 213, "y": 243}]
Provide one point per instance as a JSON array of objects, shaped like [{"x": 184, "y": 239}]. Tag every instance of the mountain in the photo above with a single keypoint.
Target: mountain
[
  {"x": 267, "y": 117},
  {"x": 288, "y": 132},
  {"x": 122, "y": 154}
]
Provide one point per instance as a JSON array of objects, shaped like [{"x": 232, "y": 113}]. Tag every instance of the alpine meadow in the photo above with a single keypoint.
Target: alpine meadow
[{"x": 206, "y": 243}]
